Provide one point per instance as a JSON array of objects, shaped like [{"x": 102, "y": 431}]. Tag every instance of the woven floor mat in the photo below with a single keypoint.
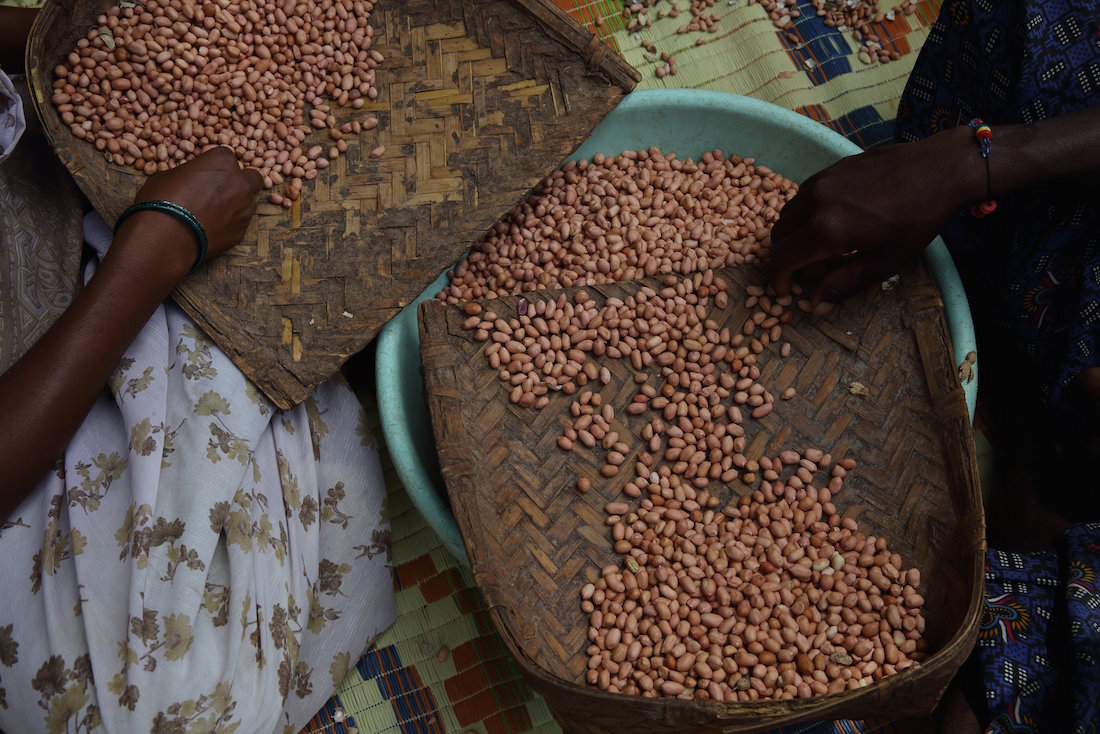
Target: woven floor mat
[
  {"x": 441, "y": 668},
  {"x": 819, "y": 74}
]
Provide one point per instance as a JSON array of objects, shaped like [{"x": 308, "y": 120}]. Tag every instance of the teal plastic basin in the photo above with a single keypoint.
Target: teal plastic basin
[{"x": 685, "y": 121}]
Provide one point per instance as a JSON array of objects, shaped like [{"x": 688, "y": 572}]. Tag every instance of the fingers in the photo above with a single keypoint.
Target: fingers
[
  {"x": 255, "y": 179},
  {"x": 852, "y": 275},
  {"x": 793, "y": 215},
  {"x": 780, "y": 280},
  {"x": 222, "y": 154},
  {"x": 791, "y": 254}
]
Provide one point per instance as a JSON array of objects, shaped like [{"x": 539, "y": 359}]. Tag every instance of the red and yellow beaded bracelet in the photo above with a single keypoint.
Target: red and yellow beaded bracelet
[{"x": 984, "y": 135}]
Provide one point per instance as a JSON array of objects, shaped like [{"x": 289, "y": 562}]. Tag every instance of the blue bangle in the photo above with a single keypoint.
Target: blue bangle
[{"x": 176, "y": 211}]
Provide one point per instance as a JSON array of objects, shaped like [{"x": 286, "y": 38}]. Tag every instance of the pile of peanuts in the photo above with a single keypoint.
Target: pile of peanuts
[
  {"x": 638, "y": 214},
  {"x": 774, "y": 596},
  {"x": 154, "y": 84},
  {"x": 856, "y": 15},
  {"x": 780, "y": 13},
  {"x": 637, "y": 15},
  {"x": 547, "y": 349}
]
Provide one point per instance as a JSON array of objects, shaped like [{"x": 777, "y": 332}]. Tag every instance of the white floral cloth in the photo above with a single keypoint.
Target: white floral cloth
[{"x": 199, "y": 561}]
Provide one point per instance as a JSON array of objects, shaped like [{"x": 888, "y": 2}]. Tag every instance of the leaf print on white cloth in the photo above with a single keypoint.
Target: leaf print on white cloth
[
  {"x": 307, "y": 515},
  {"x": 380, "y": 544},
  {"x": 215, "y": 600},
  {"x": 169, "y": 446},
  {"x": 199, "y": 358},
  {"x": 136, "y": 384},
  {"x": 57, "y": 547},
  {"x": 257, "y": 398},
  {"x": 9, "y": 648},
  {"x": 211, "y": 403},
  {"x": 118, "y": 377},
  {"x": 63, "y": 694},
  {"x": 146, "y": 627},
  {"x": 341, "y": 661},
  {"x": 66, "y": 707},
  {"x": 331, "y": 512},
  {"x": 199, "y": 562},
  {"x": 318, "y": 429},
  {"x": 318, "y": 615},
  {"x": 142, "y": 439},
  {"x": 134, "y": 534},
  {"x": 177, "y": 636},
  {"x": 294, "y": 673},
  {"x": 208, "y": 713},
  {"x": 9, "y": 656},
  {"x": 224, "y": 442},
  {"x": 331, "y": 576},
  {"x": 95, "y": 479}
]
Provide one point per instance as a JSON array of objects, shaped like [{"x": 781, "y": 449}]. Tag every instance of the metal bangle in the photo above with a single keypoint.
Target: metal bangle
[{"x": 177, "y": 211}]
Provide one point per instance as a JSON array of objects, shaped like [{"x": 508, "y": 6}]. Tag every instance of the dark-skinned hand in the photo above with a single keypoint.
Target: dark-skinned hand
[
  {"x": 214, "y": 188},
  {"x": 869, "y": 215}
]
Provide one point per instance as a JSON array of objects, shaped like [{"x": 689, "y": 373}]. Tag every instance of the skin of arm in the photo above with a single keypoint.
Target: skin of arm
[
  {"x": 887, "y": 204},
  {"x": 47, "y": 394},
  {"x": 15, "y": 26}
]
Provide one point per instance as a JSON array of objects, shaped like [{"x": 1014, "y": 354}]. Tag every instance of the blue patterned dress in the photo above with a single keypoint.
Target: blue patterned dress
[
  {"x": 1034, "y": 263},
  {"x": 1039, "y": 641},
  {"x": 1033, "y": 268}
]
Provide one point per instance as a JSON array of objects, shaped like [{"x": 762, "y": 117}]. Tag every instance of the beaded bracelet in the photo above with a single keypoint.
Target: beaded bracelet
[
  {"x": 177, "y": 211},
  {"x": 984, "y": 135}
]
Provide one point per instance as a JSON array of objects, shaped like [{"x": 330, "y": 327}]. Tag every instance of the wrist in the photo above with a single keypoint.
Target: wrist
[
  {"x": 963, "y": 173},
  {"x": 1029, "y": 155},
  {"x": 154, "y": 248}
]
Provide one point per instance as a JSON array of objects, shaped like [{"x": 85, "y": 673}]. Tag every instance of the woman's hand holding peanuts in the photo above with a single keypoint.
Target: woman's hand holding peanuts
[
  {"x": 869, "y": 215},
  {"x": 214, "y": 188}
]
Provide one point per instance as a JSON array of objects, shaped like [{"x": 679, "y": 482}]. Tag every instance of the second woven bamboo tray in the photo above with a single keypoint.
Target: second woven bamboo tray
[
  {"x": 533, "y": 541},
  {"x": 478, "y": 100}
]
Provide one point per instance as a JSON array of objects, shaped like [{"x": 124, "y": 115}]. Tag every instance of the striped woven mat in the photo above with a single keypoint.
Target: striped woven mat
[{"x": 441, "y": 668}]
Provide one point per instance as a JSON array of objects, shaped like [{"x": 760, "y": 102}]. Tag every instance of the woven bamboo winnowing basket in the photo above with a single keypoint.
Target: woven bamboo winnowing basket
[
  {"x": 533, "y": 541},
  {"x": 478, "y": 100}
]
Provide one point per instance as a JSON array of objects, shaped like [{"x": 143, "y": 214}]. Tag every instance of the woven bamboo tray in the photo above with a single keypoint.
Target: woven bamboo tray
[
  {"x": 533, "y": 541},
  {"x": 478, "y": 100}
]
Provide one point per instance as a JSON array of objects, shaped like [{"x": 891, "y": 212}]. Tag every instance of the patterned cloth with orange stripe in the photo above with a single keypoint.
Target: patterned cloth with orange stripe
[{"x": 442, "y": 668}]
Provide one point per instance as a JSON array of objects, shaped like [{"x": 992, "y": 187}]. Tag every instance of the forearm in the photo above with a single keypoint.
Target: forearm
[
  {"x": 15, "y": 26},
  {"x": 47, "y": 394},
  {"x": 888, "y": 203},
  {"x": 1026, "y": 156}
]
